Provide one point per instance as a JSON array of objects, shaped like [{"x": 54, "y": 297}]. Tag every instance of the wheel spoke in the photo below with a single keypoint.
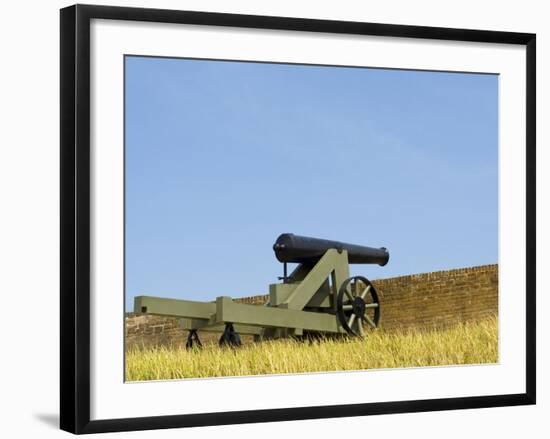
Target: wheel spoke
[
  {"x": 365, "y": 292},
  {"x": 371, "y": 305},
  {"x": 370, "y": 321},
  {"x": 350, "y": 295},
  {"x": 360, "y": 326},
  {"x": 347, "y": 307},
  {"x": 351, "y": 320}
]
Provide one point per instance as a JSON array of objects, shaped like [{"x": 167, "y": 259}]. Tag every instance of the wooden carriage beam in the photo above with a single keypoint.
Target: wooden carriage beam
[
  {"x": 207, "y": 326},
  {"x": 192, "y": 314},
  {"x": 334, "y": 263},
  {"x": 174, "y": 307},
  {"x": 272, "y": 317}
]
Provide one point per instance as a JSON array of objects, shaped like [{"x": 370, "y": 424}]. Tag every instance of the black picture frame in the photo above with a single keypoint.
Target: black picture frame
[{"x": 75, "y": 217}]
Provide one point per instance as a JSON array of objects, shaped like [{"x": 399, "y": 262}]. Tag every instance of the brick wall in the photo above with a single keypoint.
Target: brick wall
[
  {"x": 148, "y": 330},
  {"x": 438, "y": 299},
  {"x": 421, "y": 301}
]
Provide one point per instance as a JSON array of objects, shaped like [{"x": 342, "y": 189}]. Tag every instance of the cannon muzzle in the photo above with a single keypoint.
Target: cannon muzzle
[{"x": 302, "y": 249}]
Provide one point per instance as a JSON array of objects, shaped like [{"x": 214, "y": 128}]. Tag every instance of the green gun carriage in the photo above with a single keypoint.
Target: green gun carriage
[{"x": 318, "y": 298}]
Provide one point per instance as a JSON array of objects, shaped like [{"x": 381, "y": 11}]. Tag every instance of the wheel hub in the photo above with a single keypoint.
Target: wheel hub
[{"x": 359, "y": 307}]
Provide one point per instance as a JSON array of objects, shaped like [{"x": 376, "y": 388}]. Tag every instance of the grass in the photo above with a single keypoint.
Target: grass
[{"x": 470, "y": 343}]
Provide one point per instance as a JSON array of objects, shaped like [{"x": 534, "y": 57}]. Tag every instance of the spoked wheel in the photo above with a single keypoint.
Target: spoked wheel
[{"x": 358, "y": 306}]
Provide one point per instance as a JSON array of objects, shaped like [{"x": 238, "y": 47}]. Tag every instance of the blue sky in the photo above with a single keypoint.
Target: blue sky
[{"x": 222, "y": 157}]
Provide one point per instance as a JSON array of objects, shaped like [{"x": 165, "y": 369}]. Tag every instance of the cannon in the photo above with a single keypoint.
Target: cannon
[
  {"x": 302, "y": 249},
  {"x": 318, "y": 298}
]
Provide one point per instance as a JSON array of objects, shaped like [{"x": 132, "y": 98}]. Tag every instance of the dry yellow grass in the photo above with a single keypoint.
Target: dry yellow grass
[{"x": 472, "y": 343}]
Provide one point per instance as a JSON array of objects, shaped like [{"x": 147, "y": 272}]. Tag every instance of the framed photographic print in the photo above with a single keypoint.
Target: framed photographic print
[{"x": 275, "y": 218}]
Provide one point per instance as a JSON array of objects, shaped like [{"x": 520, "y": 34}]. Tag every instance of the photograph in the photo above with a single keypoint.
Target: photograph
[
  {"x": 274, "y": 217},
  {"x": 287, "y": 218}
]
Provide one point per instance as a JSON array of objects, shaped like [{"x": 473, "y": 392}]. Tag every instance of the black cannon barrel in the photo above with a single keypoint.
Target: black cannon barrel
[{"x": 300, "y": 249}]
